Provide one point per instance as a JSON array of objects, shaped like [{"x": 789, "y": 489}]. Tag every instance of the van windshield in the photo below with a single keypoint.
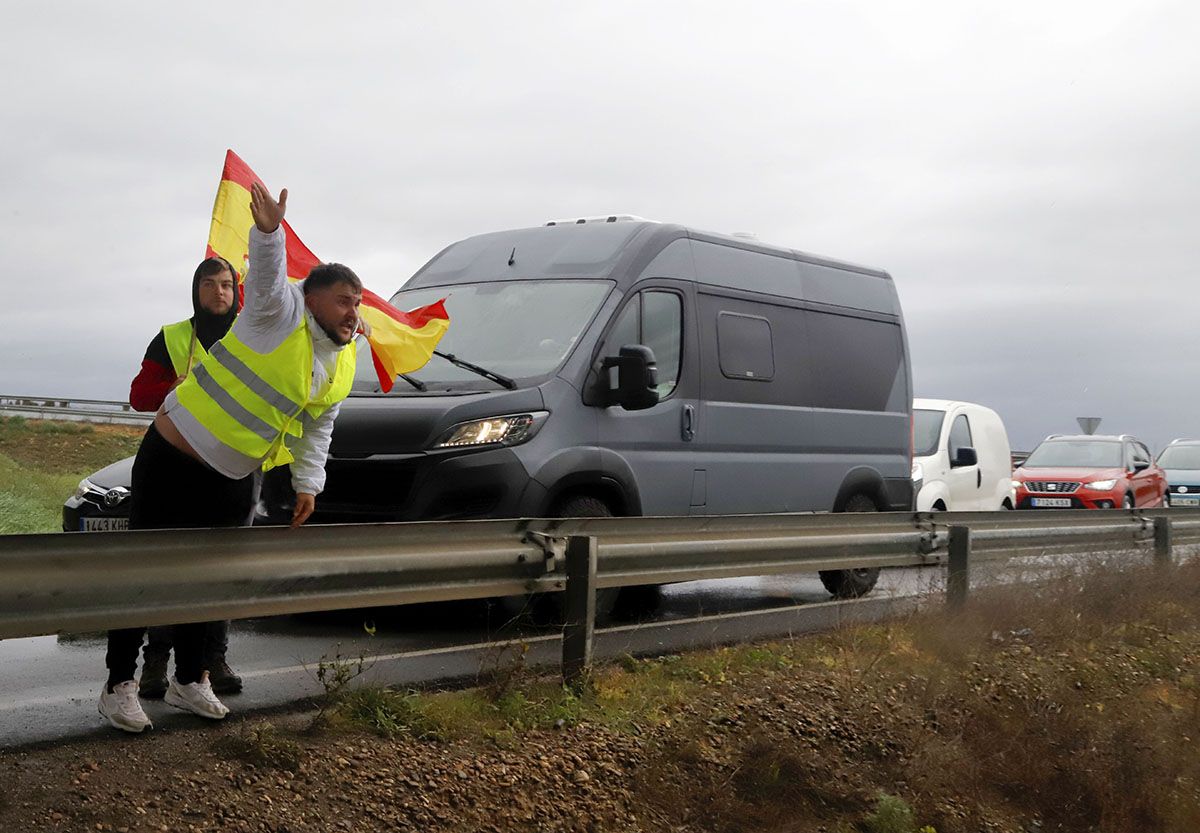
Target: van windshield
[
  {"x": 520, "y": 329},
  {"x": 927, "y": 429}
]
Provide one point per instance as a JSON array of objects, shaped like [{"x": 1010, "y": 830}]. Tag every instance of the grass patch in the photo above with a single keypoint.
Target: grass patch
[
  {"x": 261, "y": 745},
  {"x": 31, "y": 500},
  {"x": 66, "y": 447},
  {"x": 41, "y": 463}
]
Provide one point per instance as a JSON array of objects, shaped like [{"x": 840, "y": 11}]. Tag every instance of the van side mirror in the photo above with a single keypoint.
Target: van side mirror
[
  {"x": 966, "y": 457},
  {"x": 637, "y": 378}
]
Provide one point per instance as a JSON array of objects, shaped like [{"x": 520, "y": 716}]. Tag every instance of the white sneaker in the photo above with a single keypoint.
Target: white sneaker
[
  {"x": 122, "y": 708},
  {"x": 197, "y": 698}
]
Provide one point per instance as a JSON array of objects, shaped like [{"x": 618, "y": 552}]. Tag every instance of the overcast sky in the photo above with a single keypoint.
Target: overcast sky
[{"x": 1029, "y": 173}]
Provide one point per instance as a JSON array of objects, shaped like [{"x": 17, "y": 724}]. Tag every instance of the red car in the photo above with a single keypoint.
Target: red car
[{"x": 1090, "y": 472}]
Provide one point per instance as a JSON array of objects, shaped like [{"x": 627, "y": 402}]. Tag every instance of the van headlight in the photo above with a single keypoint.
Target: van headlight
[
  {"x": 918, "y": 472},
  {"x": 512, "y": 429}
]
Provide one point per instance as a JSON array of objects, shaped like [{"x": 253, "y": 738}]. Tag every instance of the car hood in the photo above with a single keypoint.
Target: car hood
[
  {"x": 1080, "y": 474},
  {"x": 370, "y": 426},
  {"x": 1187, "y": 476},
  {"x": 119, "y": 473}
]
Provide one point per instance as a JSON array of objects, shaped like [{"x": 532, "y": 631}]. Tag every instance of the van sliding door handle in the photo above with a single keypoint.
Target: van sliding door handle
[
  {"x": 979, "y": 478},
  {"x": 689, "y": 422}
]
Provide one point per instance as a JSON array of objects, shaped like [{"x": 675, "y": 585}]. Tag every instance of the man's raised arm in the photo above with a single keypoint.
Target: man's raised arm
[{"x": 266, "y": 284}]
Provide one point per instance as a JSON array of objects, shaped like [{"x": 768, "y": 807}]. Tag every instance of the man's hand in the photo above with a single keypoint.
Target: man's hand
[
  {"x": 305, "y": 504},
  {"x": 266, "y": 211},
  {"x": 179, "y": 380}
]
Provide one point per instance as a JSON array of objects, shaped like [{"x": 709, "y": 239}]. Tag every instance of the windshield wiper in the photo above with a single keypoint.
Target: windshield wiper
[
  {"x": 503, "y": 381},
  {"x": 416, "y": 383}
]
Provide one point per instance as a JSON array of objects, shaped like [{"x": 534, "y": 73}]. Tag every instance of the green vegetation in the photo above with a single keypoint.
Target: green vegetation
[
  {"x": 261, "y": 745},
  {"x": 41, "y": 463},
  {"x": 1074, "y": 706}
]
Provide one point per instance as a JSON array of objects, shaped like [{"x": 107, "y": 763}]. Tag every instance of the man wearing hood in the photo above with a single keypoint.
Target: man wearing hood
[
  {"x": 178, "y": 347},
  {"x": 172, "y": 354}
]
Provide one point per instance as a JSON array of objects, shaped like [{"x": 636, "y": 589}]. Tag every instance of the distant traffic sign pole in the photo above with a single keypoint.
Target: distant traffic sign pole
[{"x": 1088, "y": 424}]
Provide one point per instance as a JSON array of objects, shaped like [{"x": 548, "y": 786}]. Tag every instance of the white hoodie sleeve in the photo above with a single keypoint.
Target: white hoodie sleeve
[{"x": 311, "y": 451}]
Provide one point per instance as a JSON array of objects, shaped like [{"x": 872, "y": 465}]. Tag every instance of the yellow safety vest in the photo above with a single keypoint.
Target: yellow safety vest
[
  {"x": 178, "y": 337},
  {"x": 253, "y": 401}
]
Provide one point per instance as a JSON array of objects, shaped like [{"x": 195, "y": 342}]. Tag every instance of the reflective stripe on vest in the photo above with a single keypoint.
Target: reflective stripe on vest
[
  {"x": 252, "y": 401},
  {"x": 178, "y": 337},
  {"x": 251, "y": 380}
]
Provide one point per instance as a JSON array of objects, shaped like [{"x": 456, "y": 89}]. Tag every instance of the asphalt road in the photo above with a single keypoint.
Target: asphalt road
[{"x": 49, "y": 685}]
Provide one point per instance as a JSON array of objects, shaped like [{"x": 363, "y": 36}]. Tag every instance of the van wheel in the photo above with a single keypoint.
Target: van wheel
[
  {"x": 850, "y": 584},
  {"x": 548, "y": 608}
]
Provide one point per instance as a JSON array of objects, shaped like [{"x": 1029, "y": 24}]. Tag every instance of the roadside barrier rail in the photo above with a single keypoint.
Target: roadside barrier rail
[
  {"x": 79, "y": 410},
  {"x": 95, "y": 581}
]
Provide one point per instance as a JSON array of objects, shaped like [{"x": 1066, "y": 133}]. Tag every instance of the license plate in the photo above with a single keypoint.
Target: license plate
[
  {"x": 1185, "y": 500},
  {"x": 104, "y": 524},
  {"x": 1052, "y": 502}
]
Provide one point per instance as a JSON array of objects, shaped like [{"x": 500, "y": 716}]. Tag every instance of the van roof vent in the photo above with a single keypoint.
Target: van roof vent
[{"x": 601, "y": 218}]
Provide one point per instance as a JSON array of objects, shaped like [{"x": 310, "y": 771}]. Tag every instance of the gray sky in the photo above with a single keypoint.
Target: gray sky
[{"x": 1028, "y": 172}]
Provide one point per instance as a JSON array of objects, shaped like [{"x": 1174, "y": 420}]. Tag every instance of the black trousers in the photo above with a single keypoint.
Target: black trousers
[
  {"x": 170, "y": 490},
  {"x": 158, "y": 641}
]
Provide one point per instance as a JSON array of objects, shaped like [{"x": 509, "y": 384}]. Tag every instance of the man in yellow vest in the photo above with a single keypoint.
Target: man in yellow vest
[
  {"x": 267, "y": 394},
  {"x": 169, "y": 358}
]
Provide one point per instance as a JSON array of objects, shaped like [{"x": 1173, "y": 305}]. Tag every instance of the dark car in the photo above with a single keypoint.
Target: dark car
[
  {"x": 101, "y": 501},
  {"x": 1181, "y": 462},
  {"x": 1090, "y": 472}
]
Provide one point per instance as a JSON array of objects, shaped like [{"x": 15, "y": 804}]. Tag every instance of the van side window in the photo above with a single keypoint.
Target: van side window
[
  {"x": 653, "y": 319},
  {"x": 744, "y": 347},
  {"x": 960, "y": 435}
]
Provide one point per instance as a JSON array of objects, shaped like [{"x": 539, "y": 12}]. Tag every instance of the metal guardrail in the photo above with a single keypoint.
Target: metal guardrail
[
  {"x": 75, "y": 581},
  {"x": 75, "y": 410}
]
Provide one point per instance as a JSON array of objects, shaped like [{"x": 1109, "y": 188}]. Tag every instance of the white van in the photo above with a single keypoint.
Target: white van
[{"x": 961, "y": 458}]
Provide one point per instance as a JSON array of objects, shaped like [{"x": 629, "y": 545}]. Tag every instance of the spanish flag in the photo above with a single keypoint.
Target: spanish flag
[{"x": 401, "y": 342}]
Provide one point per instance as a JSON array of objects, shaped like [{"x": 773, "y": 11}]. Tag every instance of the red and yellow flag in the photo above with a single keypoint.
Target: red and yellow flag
[{"x": 401, "y": 342}]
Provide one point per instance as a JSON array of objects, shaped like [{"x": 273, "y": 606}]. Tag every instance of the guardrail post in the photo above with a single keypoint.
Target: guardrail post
[
  {"x": 1163, "y": 543},
  {"x": 958, "y": 574},
  {"x": 580, "y": 609}
]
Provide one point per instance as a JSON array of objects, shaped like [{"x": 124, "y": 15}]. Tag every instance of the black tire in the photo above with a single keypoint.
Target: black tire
[
  {"x": 851, "y": 584},
  {"x": 547, "y": 608}
]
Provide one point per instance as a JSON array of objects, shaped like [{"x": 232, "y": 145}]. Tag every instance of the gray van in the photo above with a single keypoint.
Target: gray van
[{"x": 626, "y": 367}]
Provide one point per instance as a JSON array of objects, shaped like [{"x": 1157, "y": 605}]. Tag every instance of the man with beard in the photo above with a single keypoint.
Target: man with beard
[
  {"x": 266, "y": 394},
  {"x": 169, "y": 359}
]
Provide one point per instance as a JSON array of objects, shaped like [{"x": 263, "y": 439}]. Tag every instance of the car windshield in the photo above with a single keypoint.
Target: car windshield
[
  {"x": 927, "y": 429},
  {"x": 1180, "y": 457},
  {"x": 1083, "y": 454},
  {"x": 519, "y": 329}
]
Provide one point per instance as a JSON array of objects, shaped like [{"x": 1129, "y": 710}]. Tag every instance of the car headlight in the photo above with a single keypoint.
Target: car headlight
[
  {"x": 1016, "y": 484},
  {"x": 84, "y": 487},
  {"x": 1100, "y": 485},
  {"x": 918, "y": 472},
  {"x": 513, "y": 429}
]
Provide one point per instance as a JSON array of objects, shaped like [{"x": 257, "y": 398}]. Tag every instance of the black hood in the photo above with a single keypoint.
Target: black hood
[{"x": 209, "y": 327}]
